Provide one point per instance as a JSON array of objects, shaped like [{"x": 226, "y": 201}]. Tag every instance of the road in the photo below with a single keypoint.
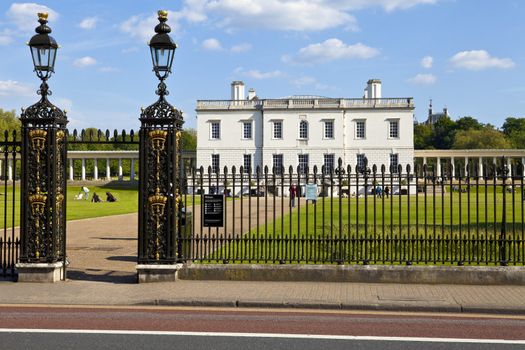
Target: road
[{"x": 22, "y": 327}]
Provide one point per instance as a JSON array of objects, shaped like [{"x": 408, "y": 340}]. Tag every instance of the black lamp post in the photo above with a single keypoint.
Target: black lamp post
[
  {"x": 159, "y": 184},
  {"x": 43, "y": 179}
]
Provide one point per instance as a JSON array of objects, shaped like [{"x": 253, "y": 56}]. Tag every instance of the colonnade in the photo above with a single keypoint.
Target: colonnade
[
  {"x": 475, "y": 159},
  {"x": 7, "y": 167}
]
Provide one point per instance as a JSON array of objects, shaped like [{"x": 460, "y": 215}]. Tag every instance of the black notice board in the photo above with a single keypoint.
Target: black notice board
[{"x": 213, "y": 210}]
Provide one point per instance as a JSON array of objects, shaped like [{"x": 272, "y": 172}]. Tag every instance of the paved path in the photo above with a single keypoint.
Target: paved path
[{"x": 105, "y": 248}]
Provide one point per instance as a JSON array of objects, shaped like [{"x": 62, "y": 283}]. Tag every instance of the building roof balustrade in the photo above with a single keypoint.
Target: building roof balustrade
[{"x": 307, "y": 103}]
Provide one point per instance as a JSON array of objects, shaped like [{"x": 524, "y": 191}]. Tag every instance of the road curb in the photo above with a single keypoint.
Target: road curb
[{"x": 465, "y": 275}]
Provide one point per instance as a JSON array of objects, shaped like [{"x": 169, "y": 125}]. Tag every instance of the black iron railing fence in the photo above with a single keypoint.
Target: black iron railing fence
[{"x": 372, "y": 216}]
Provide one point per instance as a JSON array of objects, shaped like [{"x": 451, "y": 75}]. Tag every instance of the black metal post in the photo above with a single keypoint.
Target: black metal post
[
  {"x": 43, "y": 182},
  {"x": 159, "y": 181}
]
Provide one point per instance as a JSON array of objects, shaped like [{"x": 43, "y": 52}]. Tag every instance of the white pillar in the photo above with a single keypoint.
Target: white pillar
[
  {"x": 453, "y": 167},
  {"x": 120, "y": 169},
  {"x": 523, "y": 165},
  {"x": 495, "y": 160},
  {"x": 71, "y": 169},
  {"x": 10, "y": 170},
  {"x": 466, "y": 166},
  {"x": 95, "y": 169},
  {"x": 108, "y": 170},
  {"x": 480, "y": 166},
  {"x": 424, "y": 160},
  {"x": 83, "y": 169},
  {"x": 438, "y": 168},
  {"x": 132, "y": 172}
]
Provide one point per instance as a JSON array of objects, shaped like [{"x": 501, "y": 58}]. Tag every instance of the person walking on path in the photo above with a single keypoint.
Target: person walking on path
[
  {"x": 293, "y": 193},
  {"x": 387, "y": 191}
]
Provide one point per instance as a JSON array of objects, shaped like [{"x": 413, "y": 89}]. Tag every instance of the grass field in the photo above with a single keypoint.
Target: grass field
[
  {"x": 444, "y": 228},
  {"x": 125, "y": 192}
]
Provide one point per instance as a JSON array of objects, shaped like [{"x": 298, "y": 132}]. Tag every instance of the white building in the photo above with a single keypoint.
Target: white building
[{"x": 304, "y": 130}]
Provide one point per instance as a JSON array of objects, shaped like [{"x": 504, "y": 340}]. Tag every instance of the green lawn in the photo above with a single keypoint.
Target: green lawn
[
  {"x": 125, "y": 192},
  {"x": 448, "y": 228}
]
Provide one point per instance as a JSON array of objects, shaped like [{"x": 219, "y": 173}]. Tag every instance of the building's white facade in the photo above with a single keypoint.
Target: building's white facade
[{"x": 304, "y": 130}]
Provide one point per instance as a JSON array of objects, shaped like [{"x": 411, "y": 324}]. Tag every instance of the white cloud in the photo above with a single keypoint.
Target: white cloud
[
  {"x": 23, "y": 15},
  {"x": 211, "y": 44},
  {"x": 256, "y": 74},
  {"x": 85, "y": 62},
  {"x": 142, "y": 28},
  {"x": 427, "y": 62},
  {"x": 479, "y": 60},
  {"x": 331, "y": 50},
  {"x": 296, "y": 15},
  {"x": 423, "y": 79},
  {"x": 88, "y": 23},
  {"x": 15, "y": 88},
  {"x": 387, "y": 5},
  {"x": 240, "y": 48}
]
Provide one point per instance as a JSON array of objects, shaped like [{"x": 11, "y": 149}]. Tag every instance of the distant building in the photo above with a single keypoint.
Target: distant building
[
  {"x": 303, "y": 131},
  {"x": 434, "y": 117}
]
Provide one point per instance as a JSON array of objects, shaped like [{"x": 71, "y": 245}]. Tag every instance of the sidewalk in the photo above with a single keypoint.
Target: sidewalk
[
  {"x": 103, "y": 250},
  {"x": 350, "y": 296}
]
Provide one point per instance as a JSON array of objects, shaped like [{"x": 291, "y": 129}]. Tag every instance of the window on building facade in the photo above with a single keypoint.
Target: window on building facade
[
  {"x": 278, "y": 130},
  {"x": 329, "y": 129},
  {"x": 215, "y": 130},
  {"x": 247, "y": 163},
  {"x": 278, "y": 163},
  {"x": 303, "y": 163},
  {"x": 247, "y": 130},
  {"x": 215, "y": 163},
  {"x": 394, "y": 162},
  {"x": 393, "y": 129},
  {"x": 329, "y": 162},
  {"x": 360, "y": 131},
  {"x": 361, "y": 163},
  {"x": 303, "y": 130}
]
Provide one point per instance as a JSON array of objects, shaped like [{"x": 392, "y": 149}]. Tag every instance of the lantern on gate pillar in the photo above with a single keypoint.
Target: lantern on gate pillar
[
  {"x": 159, "y": 153},
  {"x": 43, "y": 157}
]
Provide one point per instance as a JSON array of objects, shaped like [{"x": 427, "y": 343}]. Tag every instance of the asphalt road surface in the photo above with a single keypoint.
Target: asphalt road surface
[{"x": 23, "y": 327}]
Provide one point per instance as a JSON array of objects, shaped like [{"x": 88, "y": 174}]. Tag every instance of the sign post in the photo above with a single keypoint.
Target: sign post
[{"x": 213, "y": 210}]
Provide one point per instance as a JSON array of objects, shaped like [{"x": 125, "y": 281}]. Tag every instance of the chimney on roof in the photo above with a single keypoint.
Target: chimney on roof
[
  {"x": 237, "y": 91},
  {"x": 251, "y": 94},
  {"x": 430, "y": 109},
  {"x": 373, "y": 89}
]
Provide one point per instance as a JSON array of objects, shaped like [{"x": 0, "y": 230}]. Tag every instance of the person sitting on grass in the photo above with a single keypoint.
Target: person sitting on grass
[
  {"x": 110, "y": 197},
  {"x": 96, "y": 198}
]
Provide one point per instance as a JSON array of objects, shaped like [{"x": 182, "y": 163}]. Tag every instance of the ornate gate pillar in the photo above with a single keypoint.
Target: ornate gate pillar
[
  {"x": 159, "y": 153},
  {"x": 43, "y": 181}
]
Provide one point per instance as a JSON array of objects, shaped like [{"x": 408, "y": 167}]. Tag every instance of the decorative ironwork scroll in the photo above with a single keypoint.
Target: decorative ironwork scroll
[{"x": 43, "y": 186}]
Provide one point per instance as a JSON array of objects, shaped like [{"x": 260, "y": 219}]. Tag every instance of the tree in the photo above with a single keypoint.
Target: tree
[
  {"x": 467, "y": 123},
  {"x": 514, "y": 129},
  {"x": 444, "y": 132},
  {"x": 423, "y": 135},
  {"x": 189, "y": 140},
  {"x": 484, "y": 138},
  {"x": 9, "y": 122}
]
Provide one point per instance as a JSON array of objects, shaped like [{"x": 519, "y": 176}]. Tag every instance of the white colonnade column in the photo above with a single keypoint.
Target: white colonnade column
[
  {"x": 120, "y": 169},
  {"x": 95, "y": 169},
  {"x": 108, "y": 170},
  {"x": 83, "y": 169},
  {"x": 71, "y": 169},
  {"x": 10, "y": 170}
]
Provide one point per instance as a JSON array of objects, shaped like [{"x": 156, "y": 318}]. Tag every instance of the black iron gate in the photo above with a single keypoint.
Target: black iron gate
[{"x": 9, "y": 197}]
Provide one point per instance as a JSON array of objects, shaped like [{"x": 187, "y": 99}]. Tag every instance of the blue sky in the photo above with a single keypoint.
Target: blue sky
[{"x": 468, "y": 55}]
